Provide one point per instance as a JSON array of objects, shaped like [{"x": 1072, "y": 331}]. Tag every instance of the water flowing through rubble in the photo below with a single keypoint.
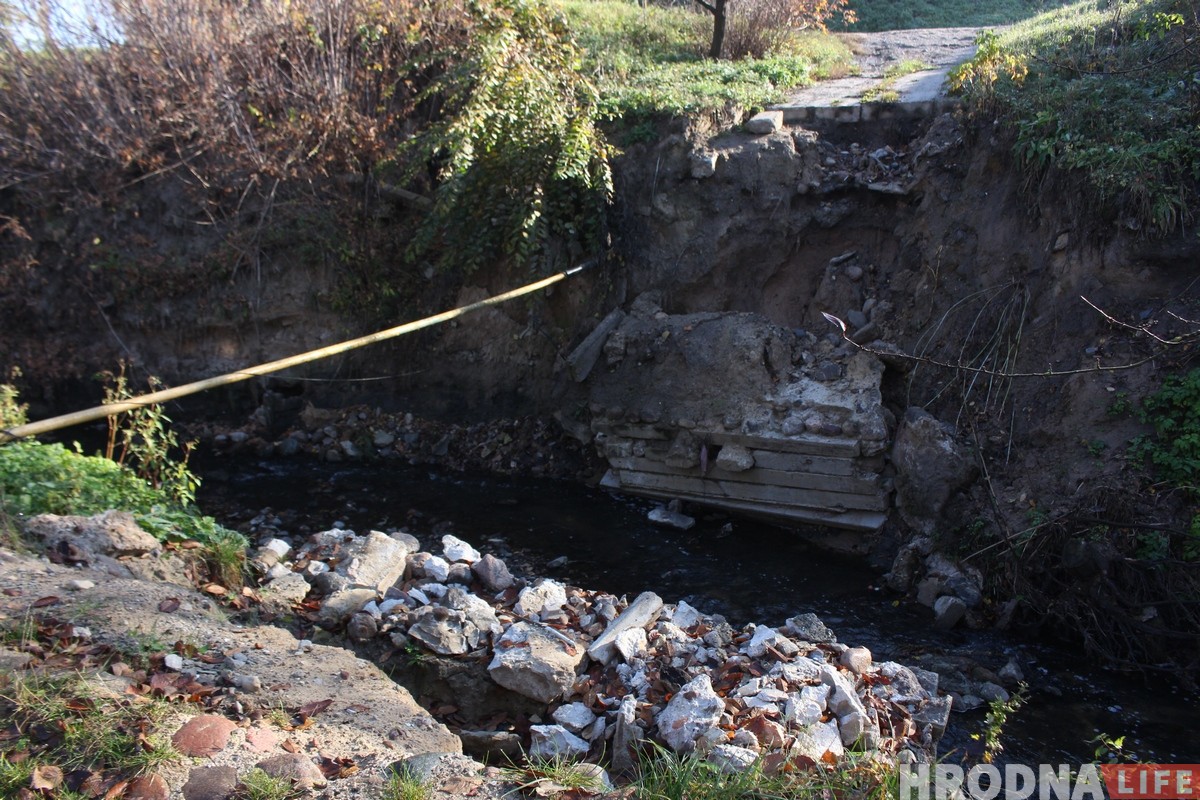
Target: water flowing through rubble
[{"x": 742, "y": 570}]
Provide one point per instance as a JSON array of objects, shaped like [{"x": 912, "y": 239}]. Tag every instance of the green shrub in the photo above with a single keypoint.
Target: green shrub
[{"x": 1105, "y": 90}]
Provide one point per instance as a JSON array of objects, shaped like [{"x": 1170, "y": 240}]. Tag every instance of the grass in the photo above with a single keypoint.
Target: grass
[
  {"x": 1104, "y": 92},
  {"x": 551, "y": 776},
  {"x": 63, "y": 724},
  {"x": 403, "y": 785},
  {"x": 667, "y": 776},
  {"x": 258, "y": 785},
  {"x": 885, "y": 15},
  {"x": 649, "y": 60}
]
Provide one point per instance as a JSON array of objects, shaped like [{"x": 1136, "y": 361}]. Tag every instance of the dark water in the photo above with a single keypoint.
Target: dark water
[{"x": 756, "y": 573}]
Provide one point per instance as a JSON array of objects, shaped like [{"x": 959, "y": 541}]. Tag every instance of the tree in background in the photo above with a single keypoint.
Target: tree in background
[{"x": 755, "y": 27}]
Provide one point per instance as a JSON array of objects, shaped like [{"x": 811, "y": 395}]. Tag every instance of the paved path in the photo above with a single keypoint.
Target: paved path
[{"x": 941, "y": 48}]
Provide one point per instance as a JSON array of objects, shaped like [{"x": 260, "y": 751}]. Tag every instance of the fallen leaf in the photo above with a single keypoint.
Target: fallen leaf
[
  {"x": 148, "y": 787},
  {"x": 116, "y": 791},
  {"x": 314, "y": 708},
  {"x": 12, "y": 592},
  {"x": 290, "y": 746},
  {"x": 216, "y": 589},
  {"x": 92, "y": 785},
  {"x": 460, "y": 784},
  {"x": 170, "y": 605},
  {"x": 42, "y": 602},
  {"x": 190, "y": 544},
  {"x": 46, "y": 778}
]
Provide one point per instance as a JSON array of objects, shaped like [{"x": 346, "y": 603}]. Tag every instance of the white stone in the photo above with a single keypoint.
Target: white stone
[
  {"x": 314, "y": 568},
  {"x": 456, "y": 549},
  {"x": 661, "y": 515},
  {"x": 546, "y": 595},
  {"x": 574, "y": 716},
  {"x": 631, "y": 642},
  {"x": 442, "y": 630},
  {"x": 640, "y": 613},
  {"x": 801, "y": 712},
  {"x": 685, "y": 616},
  {"x": 842, "y": 697},
  {"x": 597, "y": 731},
  {"x": 436, "y": 591},
  {"x": 390, "y": 605},
  {"x": 765, "y": 637},
  {"x": 278, "y": 546},
  {"x": 797, "y": 672},
  {"x": 817, "y": 740},
  {"x": 418, "y": 595},
  {"x": 555, "y": 742},
  {"x": 80, "y": 584},
  {"x": 532, "y": 662},
  {"x": 173, "y": 662},
  {"x": 692, "y": 711},
  {"x": 373, "y": 609},
  {"x": 732, "y": 759},
  {"x": 437, "y": 569},
  {"x": 767, "y": 698},
  {"x": 277, "y": 571},
  {"x": 703, "y": 163}
]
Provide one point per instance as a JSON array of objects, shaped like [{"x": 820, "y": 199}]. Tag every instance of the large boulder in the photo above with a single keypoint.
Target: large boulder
[
  {"x": 693, "y": 711},
  {"x": 930, "y": 467},
  {"x": 533, "y": 662}
]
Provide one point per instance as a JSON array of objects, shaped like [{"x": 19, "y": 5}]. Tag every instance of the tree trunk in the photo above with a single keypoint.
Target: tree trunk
[{"x": 718, "y": 36}]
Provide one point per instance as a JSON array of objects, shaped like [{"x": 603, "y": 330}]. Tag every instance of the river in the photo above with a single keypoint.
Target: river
[{"x": 751, "y": 573}]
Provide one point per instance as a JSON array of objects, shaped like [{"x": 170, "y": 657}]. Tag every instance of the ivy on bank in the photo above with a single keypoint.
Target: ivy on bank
[{"x": 519, "y": 159}]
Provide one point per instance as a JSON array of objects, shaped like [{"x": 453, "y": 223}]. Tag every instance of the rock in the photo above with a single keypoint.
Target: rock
[
  {"x": 684, "y": 616},
  {"x": 173, "y": 662},
  {"x": 856, "y": 659},
  {"x": 492, "y": 573},
  {"x": 281, "y": 594},
  {"x": 80, "y": 585},
  {"x": 640, "y": 613},
  {"x": 375, "y": 561},
  {"x": 575, "y": 717},
  {"x": 626, "y": 736},
  {"x": 692, "y": 711},
  {"x": 929, "y": 590},
  {"x": 809, "y": 628},
  {"x": 83, "y": 539},
  {"x": 584, "y": 357},
  {"x": 817, "y": 740},
  {"x": 210, "y": 783},
  {"x": 481, "y": 620},
  {"x": 732, "y": 759},
  {"x": 843, "y": 699},
  {"x": 203, "y": 735},
  {"x": 929, "y": 680},
  {"x": 703, "y": 164},
  {"x": 769, "y": 735},
  {"x": 534, "y": 663},
  {"x": 441, "y": 630},
  {"x": 992, "y": 692},
  {"x": 456, "y": 549},
  {"x": 545, "y": 595},
  {"x": 1061, "y": 242},
  {"x": 631, "y": 643},
  {"x": 735, "y": 458},
  {"x": 802, "y": 711},
  {"x": 1011, "y": 673},
  {"x": 147, "y": 787},
  {"x": 435, "y": 568},
  {"x": 555, "y": 742},
  {"x": 904, "y": 682},
  {"x": 935, "y": 715},
  {"x": 948, "y": 611},
  {"x": 337, "y": 608},
  {"x": 382, "y": 439},
  {"x": 857, "y": 730},
  {"x": 661, "y": 515},
  {"x": 362, "y": 627},
  {"x": 298, "y": 769},
  {"x": 765, "y": 638},
  {"x": 930, "y": 467},
  {"x": 764, "y": 123}
]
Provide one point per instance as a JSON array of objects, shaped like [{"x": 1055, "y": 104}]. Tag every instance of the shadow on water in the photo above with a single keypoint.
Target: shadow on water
[{"x": 753, "y": 573}]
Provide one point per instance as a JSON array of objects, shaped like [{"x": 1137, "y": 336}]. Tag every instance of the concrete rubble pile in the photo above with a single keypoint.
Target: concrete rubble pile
[
  {"x": 731, "y": 411},
  {"x": 607, "y": 673}
]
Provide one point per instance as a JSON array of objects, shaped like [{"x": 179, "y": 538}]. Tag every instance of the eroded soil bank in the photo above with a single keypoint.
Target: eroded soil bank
[{"x": 970, "y": 282}]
